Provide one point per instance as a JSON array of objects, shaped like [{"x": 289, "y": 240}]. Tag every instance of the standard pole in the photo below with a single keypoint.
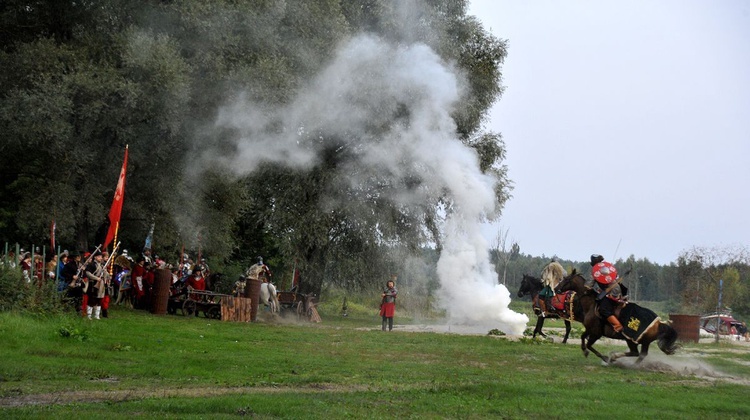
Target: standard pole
[
  {"x": 57, "y": 266},
  {"x": 718, "y": 309}
]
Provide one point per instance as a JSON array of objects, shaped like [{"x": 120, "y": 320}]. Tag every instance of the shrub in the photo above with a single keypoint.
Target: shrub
[{"x": 16, "y": 294}]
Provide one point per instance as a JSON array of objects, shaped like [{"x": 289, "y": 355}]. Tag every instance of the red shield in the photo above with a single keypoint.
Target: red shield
[{"x": 604, "y": 273}]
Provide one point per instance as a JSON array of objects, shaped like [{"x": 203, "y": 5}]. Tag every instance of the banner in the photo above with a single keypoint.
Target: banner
[
  {"x": 116, "y": 210},
  {"x": 52, "y": 228},
  {"x": 149, "y": 237}
]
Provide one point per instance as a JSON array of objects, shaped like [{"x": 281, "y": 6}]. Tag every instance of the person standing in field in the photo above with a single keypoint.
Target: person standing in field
[
  {"x": 388, "y": 303},
  {"x": 96, "y": 286}
]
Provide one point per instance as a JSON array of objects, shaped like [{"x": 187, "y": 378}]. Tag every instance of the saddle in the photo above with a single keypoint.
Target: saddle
[{"x": 563, "y": 303}]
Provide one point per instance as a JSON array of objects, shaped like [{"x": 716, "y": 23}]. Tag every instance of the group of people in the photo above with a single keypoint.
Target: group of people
[{"x": 91, "y": 280}]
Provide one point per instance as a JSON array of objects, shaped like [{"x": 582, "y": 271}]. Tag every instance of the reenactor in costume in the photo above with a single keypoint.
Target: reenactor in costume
[
  {"x": 97, "y": 281},
  {"x": 552, "y": 274},
  {"x": 611, "y": 292},
  {"x": 73, "y": 280},
  {"x": 259, "y": 271},
  {"x": 388, "y": 303}
]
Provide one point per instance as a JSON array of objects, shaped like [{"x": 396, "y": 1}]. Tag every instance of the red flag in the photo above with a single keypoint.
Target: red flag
[
  {"x": 116, "y": 210},
  {"x": 52, "y": 229}
]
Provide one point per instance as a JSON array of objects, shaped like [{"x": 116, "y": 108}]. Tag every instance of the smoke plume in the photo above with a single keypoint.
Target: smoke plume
[{"x": 391, "y": 105}]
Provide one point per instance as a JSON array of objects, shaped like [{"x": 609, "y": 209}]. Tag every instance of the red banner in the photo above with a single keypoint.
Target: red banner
[
  {"x": 52, "y": 228},
  {"x": 116, "y": 210}
]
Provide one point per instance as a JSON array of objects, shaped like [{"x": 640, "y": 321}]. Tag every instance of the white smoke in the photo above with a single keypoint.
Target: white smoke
[{"x": 357, "y": 99}]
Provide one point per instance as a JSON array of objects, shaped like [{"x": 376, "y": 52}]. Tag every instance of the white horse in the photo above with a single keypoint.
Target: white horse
[{"x": 268, "y": 296}]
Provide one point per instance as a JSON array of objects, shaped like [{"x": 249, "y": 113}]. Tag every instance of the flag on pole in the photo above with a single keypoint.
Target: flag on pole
[
  {"x": 116, "y": 210},
  {"x": 52, "y": 228},
  {"x": 149, "y": 237}
]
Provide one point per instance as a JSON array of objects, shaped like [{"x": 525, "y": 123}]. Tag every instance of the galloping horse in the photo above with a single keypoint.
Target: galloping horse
[
  {"x": 633, "y": 317},
  {"x": 269, "y": 297},
  {"x": 531, "y": 286}
]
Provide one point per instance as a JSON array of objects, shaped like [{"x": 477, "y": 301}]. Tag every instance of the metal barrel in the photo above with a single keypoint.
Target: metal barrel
[{"x": 687, "y": 327}]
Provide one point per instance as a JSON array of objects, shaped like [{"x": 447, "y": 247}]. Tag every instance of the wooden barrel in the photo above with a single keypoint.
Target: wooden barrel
[
  {"x": 252, "y": 291},
  {"x": 687, "y": 327},
  {"x": 160, "y": 294}
]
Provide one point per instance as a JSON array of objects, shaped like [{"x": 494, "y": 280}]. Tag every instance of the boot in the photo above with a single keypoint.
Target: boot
[
  {"x": 97, "y": 311},
  {"x": 543, "y": 307},
  {"x": 89, "y": 310},
  {"x": 615, "y": 323},
  {"x": 385, "y": 322}
]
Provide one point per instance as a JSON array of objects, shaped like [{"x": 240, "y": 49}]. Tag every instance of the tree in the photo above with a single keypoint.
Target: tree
[{"x": 504, "y": 252}]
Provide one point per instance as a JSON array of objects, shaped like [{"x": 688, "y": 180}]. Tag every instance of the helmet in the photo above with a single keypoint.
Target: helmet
[{"x": 596, "y": 259}]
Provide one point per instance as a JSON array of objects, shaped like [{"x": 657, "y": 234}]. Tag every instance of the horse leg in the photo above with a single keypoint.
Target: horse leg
[
  {"x": 633, "y": 347},
  {"x": 119, "y": 297},
  {"x": 583, "y": 344},
  {"x": 644, "y": 351},
  {"x": 567, "y": 331},
  {"x": 538, "y": 328},
  {"x": 590, "y": 346}
]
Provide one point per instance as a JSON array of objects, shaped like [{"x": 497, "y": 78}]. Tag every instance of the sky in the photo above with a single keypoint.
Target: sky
[{"x": 627, "y": 126}]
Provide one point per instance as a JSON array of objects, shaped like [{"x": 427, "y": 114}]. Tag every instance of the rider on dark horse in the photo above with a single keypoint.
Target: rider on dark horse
[
  {"x": 552, "y": 274},
  {"x": 611, "y": 292}
]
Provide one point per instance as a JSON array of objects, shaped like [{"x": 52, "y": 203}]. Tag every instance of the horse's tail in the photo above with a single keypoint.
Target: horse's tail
[
  {"x": 667, "y": 339},
  {"x": 274, "y": 297}
]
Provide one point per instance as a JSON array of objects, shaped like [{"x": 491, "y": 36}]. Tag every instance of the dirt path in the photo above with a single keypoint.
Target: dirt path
[{"x": 130, "y": 395}]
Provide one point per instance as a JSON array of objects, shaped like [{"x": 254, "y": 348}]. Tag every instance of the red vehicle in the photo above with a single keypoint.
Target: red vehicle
[{"x": 727, "y": 324}]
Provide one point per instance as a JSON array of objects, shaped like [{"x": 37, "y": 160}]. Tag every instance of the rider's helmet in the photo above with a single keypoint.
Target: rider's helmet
[{"x": 596, "y": 259}]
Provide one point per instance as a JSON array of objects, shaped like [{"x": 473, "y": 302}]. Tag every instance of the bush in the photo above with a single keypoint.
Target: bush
[{"x": 16, "y": 294}]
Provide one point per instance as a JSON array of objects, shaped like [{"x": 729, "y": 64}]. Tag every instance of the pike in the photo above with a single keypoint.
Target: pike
[
  {"x": 87, "y": 262},
  {"x": 112, "y": 255}
]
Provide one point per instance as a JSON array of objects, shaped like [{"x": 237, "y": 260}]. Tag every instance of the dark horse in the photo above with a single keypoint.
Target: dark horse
[
  {"x": 531, "y": 286},
  {"x": 596, "y": 327}
]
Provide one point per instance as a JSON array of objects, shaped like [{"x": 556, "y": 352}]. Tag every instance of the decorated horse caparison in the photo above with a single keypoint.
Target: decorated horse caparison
[
  {"x": 564, "y": 306},
  {"x": 641, "y": 326}
]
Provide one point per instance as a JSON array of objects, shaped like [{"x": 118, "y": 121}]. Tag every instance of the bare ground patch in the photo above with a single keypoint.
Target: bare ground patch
[{"x": 90, "y": 396}]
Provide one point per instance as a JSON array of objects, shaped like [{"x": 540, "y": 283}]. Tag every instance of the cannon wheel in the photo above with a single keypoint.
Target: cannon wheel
[
  {"x": 301, "y": 312},
  {"x": 189, "y": 307},
  {"x": 214, "y": 312}
]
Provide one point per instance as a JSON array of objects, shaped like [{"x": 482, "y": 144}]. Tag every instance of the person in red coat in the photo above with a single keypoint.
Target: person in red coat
[
  {"x": 137, "y": 279},
  {"x": 196, "y": 281},
  {"x": 388, "y": 304}
]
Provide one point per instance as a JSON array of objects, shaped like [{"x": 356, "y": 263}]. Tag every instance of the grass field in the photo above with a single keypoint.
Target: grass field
[{"x": 137, "y": 364}]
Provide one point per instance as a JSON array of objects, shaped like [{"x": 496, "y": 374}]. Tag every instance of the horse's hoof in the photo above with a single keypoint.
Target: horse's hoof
[{"x": 605, "y": 363}]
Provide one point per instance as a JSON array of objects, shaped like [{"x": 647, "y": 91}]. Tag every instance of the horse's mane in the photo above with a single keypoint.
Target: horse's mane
[{"x": 587, "y": 289}]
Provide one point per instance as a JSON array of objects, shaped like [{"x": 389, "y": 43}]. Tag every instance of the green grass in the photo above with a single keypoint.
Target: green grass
[{"x": 137, "y": 364}]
